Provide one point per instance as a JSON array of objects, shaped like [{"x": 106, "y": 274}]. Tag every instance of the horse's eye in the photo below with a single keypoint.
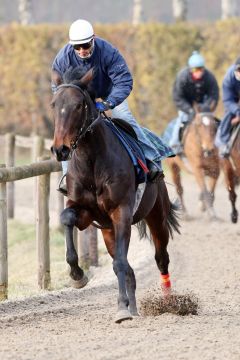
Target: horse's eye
[
  {"x": 78, "y": 107},
  {"x": 52, "y": 105}
]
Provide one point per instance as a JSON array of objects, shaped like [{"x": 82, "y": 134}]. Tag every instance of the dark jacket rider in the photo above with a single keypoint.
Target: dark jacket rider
[{"x": 194, "y": 85}]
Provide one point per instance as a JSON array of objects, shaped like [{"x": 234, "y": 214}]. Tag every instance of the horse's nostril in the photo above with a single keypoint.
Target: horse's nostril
[
  {"x": 65, "y": 149},
  {"x": 61, "y": 153}
]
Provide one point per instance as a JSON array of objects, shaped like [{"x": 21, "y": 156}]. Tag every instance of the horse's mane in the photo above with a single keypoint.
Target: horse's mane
[{"x": 74, "y": 75}]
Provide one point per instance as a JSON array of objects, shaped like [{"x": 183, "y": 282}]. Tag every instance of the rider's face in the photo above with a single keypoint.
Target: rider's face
[
  {"x": 197, "y": 73},
  {"x": 237, "y": 73},
  {"x": 84, "y": 50}
]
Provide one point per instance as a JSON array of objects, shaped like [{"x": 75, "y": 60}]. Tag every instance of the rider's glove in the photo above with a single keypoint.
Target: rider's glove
[
  {"x": 104, "y": 105},
  {"x": 54, "y": 88}
]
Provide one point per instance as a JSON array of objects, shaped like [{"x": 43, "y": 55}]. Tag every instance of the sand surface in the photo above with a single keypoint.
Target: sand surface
[{"x": 79, "y": 324}]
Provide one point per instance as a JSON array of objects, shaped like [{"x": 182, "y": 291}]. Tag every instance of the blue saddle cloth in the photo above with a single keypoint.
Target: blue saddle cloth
[
  {"x": 160, "y": 144},
  {"x": 134, "y": 151}
]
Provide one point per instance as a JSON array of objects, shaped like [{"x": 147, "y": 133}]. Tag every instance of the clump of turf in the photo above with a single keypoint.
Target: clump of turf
[{"x": 155, "y": 304}]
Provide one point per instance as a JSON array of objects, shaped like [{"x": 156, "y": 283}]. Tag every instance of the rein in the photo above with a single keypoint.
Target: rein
[
  {"x": 82, "y": 132},
  {"x": 84, "y": 129}
]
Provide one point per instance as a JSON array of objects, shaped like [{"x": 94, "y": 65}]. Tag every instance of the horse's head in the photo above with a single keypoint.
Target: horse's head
[
  {"x": 73, "y": 111},
  {"x": 205, "y": 126}
]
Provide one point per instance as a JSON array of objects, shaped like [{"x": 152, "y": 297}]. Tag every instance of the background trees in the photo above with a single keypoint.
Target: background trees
[{"x": 155, "y": 52}]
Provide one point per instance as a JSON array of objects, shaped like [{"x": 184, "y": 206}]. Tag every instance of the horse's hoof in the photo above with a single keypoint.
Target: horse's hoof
[
  {"x": 133, "y": 310},
  {"x": 234, "y": 218},
  {"x": 78, "y": 284},
  {"x": 123, "y": 315},
  {"x": 134, "y": 313},
  {"x": 202, "y": 206}
]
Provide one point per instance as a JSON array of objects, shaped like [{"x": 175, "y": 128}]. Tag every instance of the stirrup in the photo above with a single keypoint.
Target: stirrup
[{"x": 62, "y": 188}]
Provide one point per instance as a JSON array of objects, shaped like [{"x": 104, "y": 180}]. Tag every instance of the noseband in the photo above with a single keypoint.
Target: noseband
[{"x": 85, "y": 128}]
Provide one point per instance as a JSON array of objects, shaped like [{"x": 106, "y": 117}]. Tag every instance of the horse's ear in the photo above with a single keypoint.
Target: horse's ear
[
  {"x": 85, "y": 80},
  {"x": 56, "y": 78}
]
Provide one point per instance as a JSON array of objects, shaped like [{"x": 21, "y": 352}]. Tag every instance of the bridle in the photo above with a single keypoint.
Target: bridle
[
  {"x": 86, "y": 127},
  {"x": 206, "y": 153}
]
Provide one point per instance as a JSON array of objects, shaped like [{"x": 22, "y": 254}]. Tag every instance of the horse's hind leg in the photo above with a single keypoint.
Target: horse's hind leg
[
  {"x": 160, "y": 234},
  {"x": 109, "y": 240},
  {"x": 70, "y": 218},
  {"x": 230, "y": 184}
]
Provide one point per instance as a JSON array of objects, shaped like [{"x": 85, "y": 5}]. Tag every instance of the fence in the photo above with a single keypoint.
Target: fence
[{"x": 86, "y": 243}]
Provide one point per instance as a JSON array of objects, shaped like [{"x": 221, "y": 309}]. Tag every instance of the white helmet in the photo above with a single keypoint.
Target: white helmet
[{"x": 80, "y": 32}]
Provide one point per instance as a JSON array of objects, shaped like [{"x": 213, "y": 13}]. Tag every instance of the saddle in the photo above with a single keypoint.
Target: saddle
[
  {"x": 125, "y": 126},
  {"x": 128, "y": 138}
]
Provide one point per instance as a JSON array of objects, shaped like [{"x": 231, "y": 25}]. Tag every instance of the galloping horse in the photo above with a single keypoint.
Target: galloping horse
[
  {"x": 101, "y": 185},
  {"x": 231, "y": 170},
  {"x": 202, "y": 156}
]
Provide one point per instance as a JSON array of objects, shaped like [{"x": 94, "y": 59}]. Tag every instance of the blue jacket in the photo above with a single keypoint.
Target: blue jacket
[
  {"x": 112, "y": 80},
  {"x": 231, "y": 92}
]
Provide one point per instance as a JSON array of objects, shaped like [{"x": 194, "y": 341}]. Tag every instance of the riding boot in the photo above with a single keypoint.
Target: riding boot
[
  {"x": 155, "y": 170},
  {"x": 62, "y": 187},
  {"x": 224, "y": 151}
]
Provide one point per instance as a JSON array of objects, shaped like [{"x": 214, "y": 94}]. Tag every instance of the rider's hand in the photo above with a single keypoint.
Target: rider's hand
[
  {"x": 103, "y": 105},
  {"x": 236, "y": 119}
]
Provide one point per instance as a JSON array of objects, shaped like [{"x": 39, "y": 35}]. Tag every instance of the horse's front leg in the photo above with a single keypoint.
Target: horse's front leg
[
  {"x": 205, "y": 196},
  {"x": 71, "y": 217},
  {"x": 109, "y": 240},
  {"x": 176, "y": 176},
  {"x": 122, "y": 220}
]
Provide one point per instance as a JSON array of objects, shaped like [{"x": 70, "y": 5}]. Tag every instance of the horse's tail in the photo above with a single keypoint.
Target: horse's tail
[
  {"x": 142, "y": 229},
  {"x": 172, "y": 219},
  {"x": 172, "y": 223}
]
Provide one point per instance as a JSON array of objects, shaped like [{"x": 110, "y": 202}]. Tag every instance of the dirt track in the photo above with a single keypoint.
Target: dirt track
[{"x": 78, "y": 324}]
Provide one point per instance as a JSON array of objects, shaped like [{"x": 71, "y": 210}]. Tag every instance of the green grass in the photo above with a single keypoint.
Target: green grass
[{"x": 22, "y": 260}]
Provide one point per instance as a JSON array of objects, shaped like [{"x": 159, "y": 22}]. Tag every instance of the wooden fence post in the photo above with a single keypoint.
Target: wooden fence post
[
  {"x": 10, "y": 161},
  {"x": 38, "y": 147},
  {"x": 93, "y": 245},
  {"x": 3, "y": 242},
  {"x": 83, "y": 249},
  {"x": 42, "y": 230}
]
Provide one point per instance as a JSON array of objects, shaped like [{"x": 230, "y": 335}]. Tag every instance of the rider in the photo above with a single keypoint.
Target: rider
[
  {"x": 193, "y": 85},
  {"x": 231, "y": 101},
  {"x": 112, "y": 82}
]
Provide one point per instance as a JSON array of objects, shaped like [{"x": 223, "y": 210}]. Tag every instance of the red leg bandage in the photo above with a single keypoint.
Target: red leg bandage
[{"x": 166, "y": 283}]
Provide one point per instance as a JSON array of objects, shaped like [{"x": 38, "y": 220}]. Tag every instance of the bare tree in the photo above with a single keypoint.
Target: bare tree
[
  {"x": 137, "y": 12},
  {"x": 180, "y": 9},
  {"x": 25, "y": 12},
  {"x": 229, "y": 8}
]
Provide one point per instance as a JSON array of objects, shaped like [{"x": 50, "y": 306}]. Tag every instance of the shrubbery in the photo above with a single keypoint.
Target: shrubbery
[{"x": 154, "y": 52}]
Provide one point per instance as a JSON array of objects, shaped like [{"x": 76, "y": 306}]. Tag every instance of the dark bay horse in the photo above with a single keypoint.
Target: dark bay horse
[
  {"x": 231, "y": 170},
  {"x": 101, "y": 185},
  {"x": 202, "y": 157}
]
